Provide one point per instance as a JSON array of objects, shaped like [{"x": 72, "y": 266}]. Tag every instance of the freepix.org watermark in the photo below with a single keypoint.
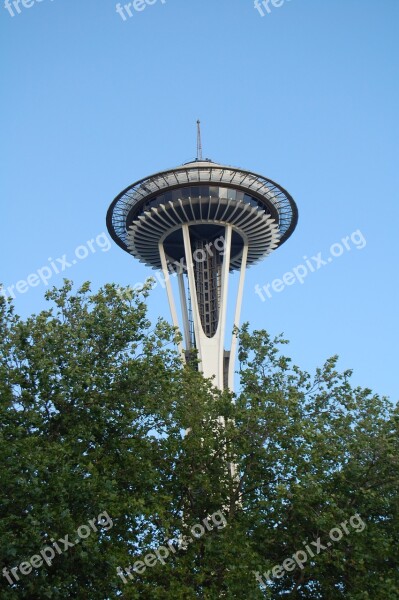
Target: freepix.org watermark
[
  {"x": 137, "y": 5},
  {"x": 176, "y": 267},
  {"x": 15, "y": 5},
  {"x": 300, "y": 557},
  {"x": 311, "y": 265},
  {"x": 264, "y": 5},
  {"x": 47, "y": 555},
  {"x": 56, "y": 266},
  {"x": 162, "y": 552}
]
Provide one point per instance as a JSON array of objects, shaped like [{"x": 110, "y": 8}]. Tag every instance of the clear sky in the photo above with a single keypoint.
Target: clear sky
[{"x": 306, "y": 95}]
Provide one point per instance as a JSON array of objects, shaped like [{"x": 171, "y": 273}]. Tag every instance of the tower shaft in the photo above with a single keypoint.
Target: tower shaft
[{"x": 206, "y": 290}]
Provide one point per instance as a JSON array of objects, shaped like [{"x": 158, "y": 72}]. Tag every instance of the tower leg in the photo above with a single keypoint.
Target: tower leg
[
  {"x": 237, "y": 314},
  {"x": 169, "y": 292},
  {"x": 183, "y": 302}
]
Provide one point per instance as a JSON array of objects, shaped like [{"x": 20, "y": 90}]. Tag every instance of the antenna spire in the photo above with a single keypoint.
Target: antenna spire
[{"x": 199, "y": 143}]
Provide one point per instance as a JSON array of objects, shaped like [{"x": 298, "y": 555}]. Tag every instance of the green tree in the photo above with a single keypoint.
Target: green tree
[{"x": 94, "y": 404}]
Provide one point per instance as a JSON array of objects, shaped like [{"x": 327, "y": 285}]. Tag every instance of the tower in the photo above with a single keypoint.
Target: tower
[{"x": 199, "y": 222}]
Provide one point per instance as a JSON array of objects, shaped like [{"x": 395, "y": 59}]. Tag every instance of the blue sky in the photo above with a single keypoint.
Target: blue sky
[{"x": 306, "y": 95}]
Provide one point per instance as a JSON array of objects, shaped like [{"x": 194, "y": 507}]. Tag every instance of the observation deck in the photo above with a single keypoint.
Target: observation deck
[{"x": 206, "y": 196}]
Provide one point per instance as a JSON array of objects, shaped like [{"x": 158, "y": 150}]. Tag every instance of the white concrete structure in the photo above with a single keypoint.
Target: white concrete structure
[{"x": 203, "y": 220}]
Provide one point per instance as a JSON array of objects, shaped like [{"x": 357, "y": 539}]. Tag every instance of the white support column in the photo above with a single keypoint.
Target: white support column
[
  {"x": 192, "y": 287},
  {"x": 221, "y": 329},
  {"x": 210, "y": 350},
  {"x": 183, "y": 302},
  {"x": 233, "y": 348},
  {"x": 169, "y": 292}
]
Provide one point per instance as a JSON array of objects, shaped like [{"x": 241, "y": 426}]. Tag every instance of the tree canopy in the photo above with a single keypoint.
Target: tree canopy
[{"x": 102, "y": 423}]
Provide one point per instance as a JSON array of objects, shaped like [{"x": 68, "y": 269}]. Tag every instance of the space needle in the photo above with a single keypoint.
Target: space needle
[{"x": 201, "y": 221}]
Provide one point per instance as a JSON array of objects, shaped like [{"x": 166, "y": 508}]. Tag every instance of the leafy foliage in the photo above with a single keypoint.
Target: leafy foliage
[{"x": 94, "y": 403}]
